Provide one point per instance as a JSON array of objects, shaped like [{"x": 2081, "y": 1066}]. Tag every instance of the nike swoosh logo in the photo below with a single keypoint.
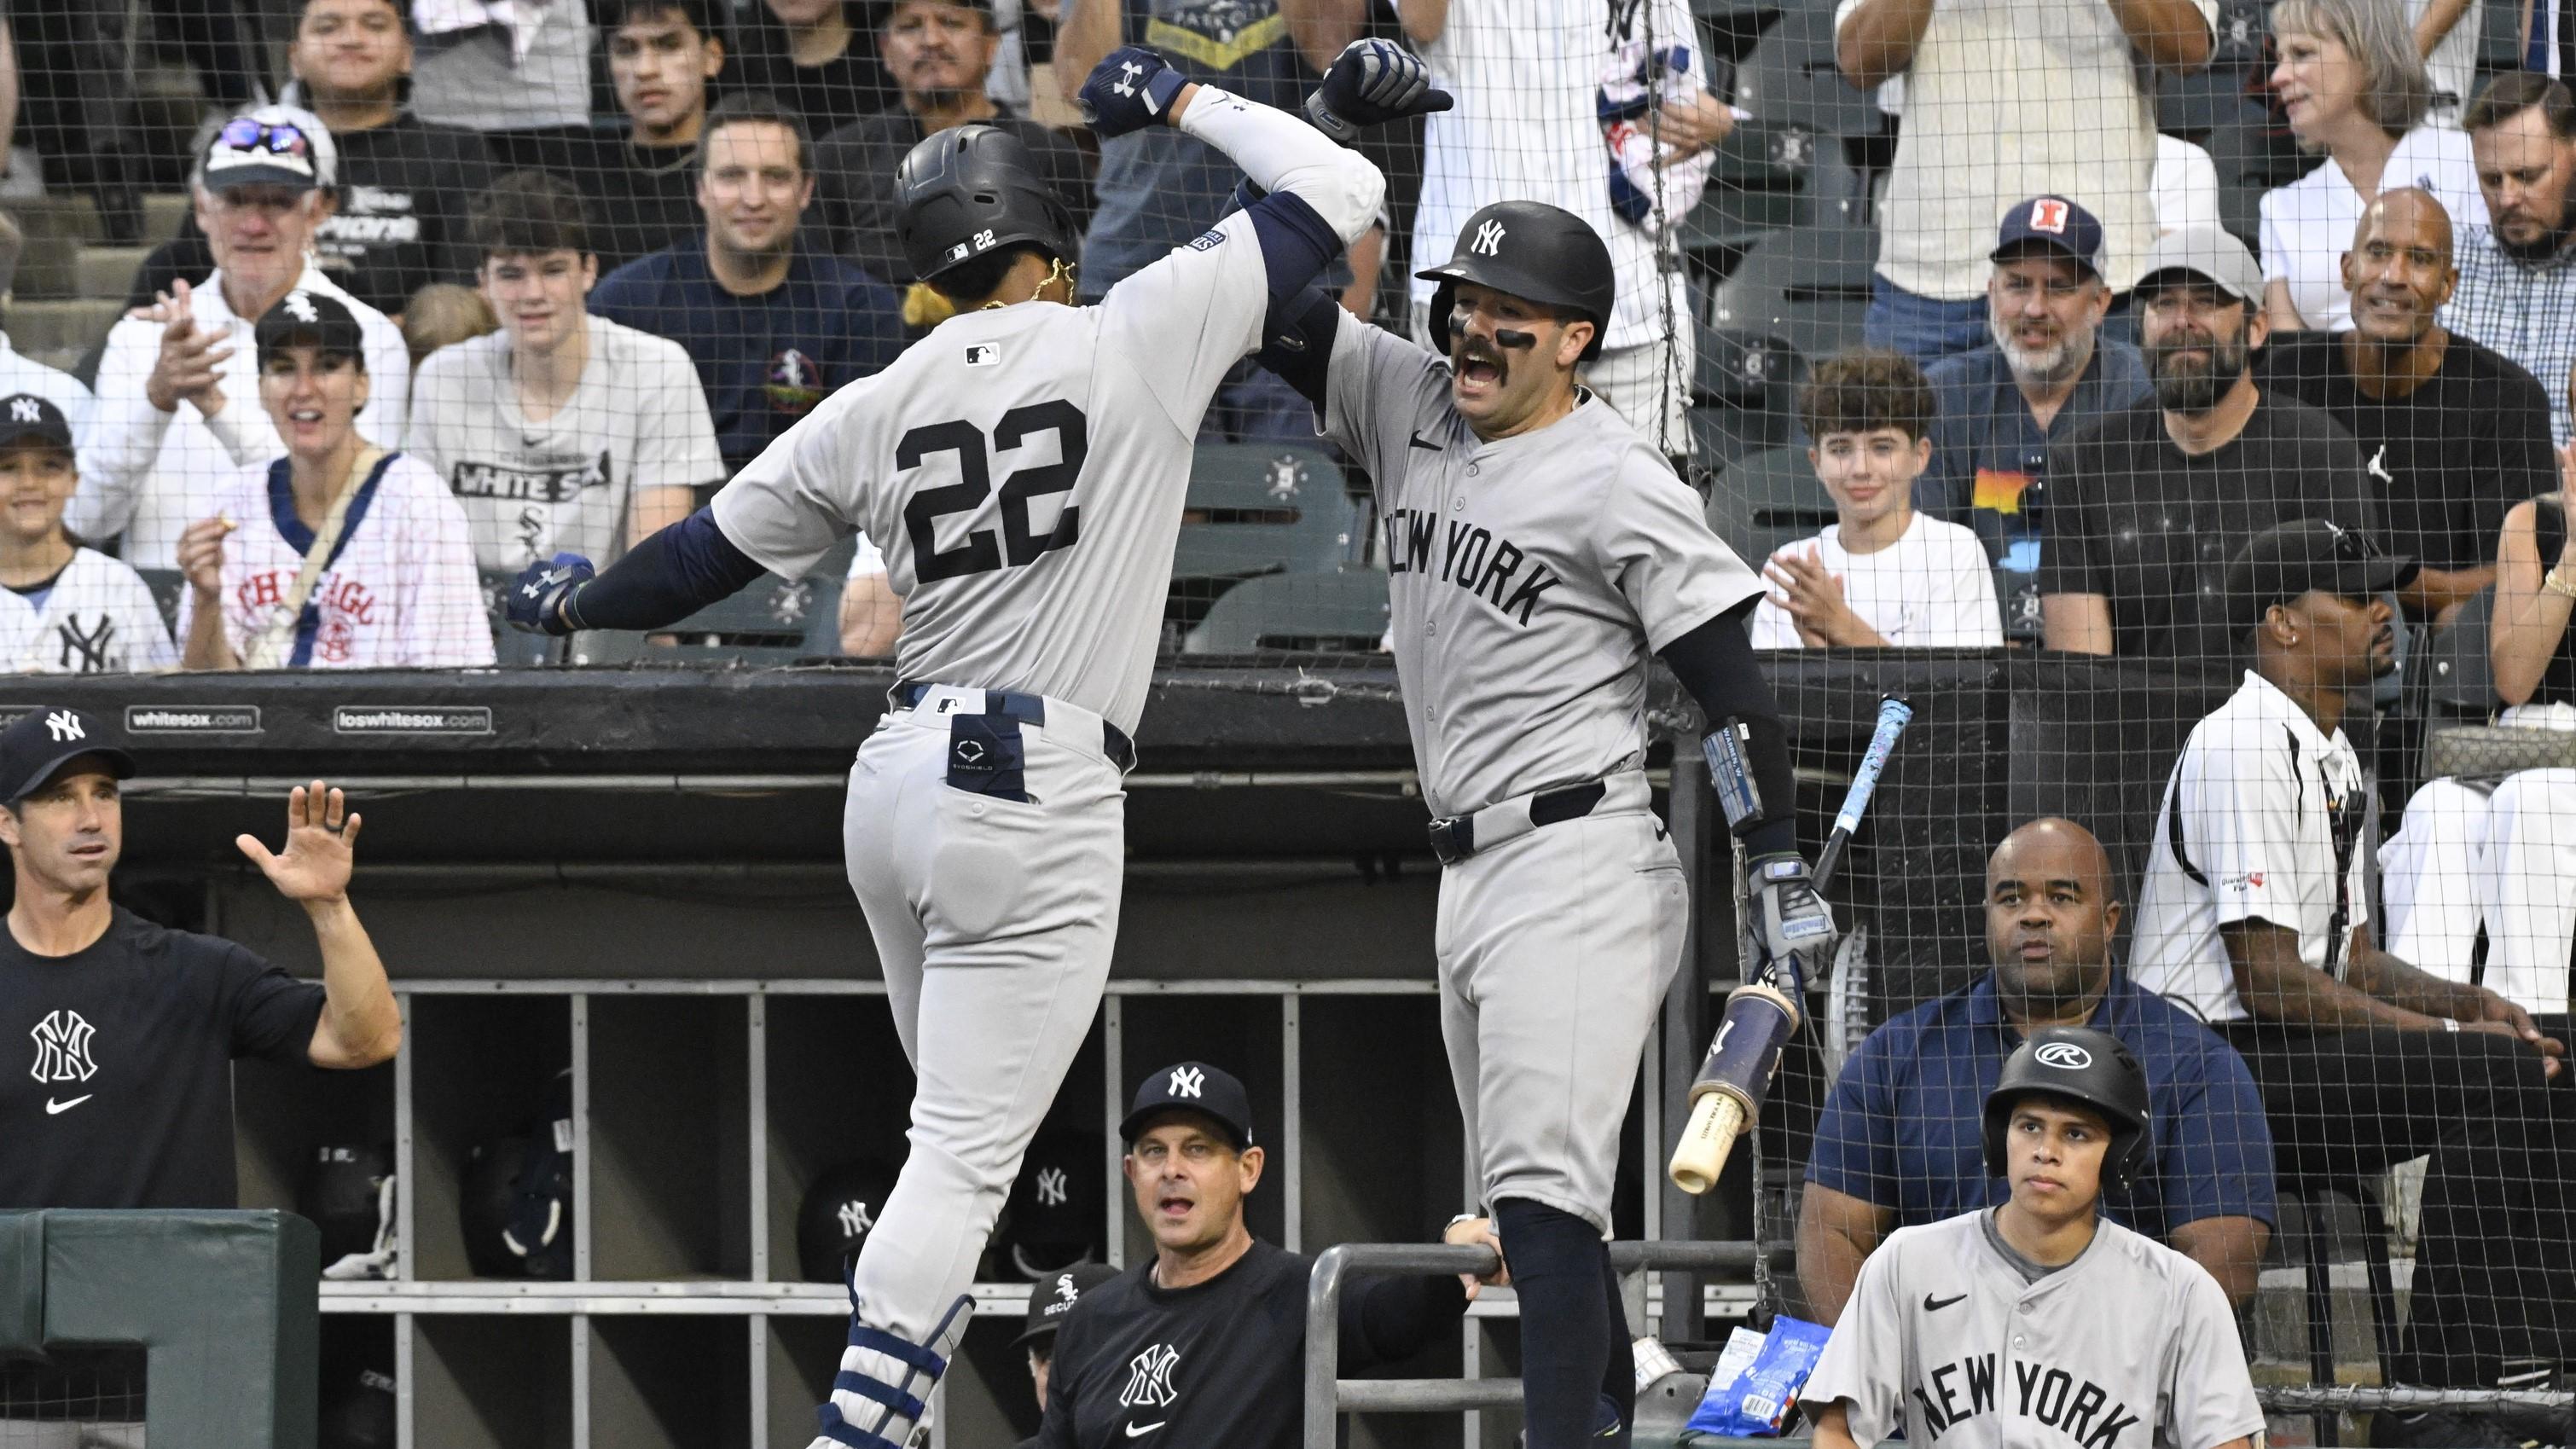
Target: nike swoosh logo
[
  {"x": 1426, "y": 447},
  {"x": 1135, "y": 1429},
  {"x": 1935, "y": 1305},
  {"x": 56, "y": 1109}
]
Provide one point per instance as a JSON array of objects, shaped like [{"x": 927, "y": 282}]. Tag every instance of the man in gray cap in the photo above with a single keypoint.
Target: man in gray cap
[{"x": 2147, "y": 507}]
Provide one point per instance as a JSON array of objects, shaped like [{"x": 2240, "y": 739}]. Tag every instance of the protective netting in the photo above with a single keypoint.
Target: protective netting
[
  {"x": 73, "y": 1399},
  {"x": 541, "y": 276}
]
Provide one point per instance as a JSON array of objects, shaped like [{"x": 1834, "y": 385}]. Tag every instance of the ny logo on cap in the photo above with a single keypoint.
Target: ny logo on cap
[
  {"x": 1052, "y": 1188},
  {"x": 2048, "y": 214},
  {"x": 1489, "y": 240},
  {"x": 855, "y": 1220},
  {"x": 26, "y": 410},
  {"x": 299, "y": 305},
  {"x": 65, "y": 725},
  {"x": 1188, "y": 1082}
]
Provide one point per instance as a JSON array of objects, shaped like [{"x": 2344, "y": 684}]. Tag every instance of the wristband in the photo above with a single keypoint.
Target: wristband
[{"x": 2450, "y": 1023}]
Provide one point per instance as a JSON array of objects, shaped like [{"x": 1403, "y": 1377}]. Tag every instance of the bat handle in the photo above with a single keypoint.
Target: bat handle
[{"x": 1700, "y": 1157}]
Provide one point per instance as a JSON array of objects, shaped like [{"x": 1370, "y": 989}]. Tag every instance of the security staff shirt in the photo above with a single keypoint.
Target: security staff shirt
[
  {"x": 1221, "y": 1362},
  {"x": 116, "y": 1065}
]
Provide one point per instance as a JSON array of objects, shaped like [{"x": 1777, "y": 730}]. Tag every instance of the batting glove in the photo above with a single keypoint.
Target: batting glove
[
  {"x": 1791, "y": 921},
  {"x": 1371, "y": 83},
  {"x": 536, "y": 596},
  {"x": 1129, "y": 90}
]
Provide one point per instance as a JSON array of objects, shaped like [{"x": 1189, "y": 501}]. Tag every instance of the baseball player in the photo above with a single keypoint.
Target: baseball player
[
  {"x": 1023, "y": 469},
  {"x": 1539, "y": 549},
  {"x": 2039, "y": 1322}
]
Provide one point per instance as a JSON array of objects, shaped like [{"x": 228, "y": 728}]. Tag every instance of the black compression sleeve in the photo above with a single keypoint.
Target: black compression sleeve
[
  {"x": 1394, "y": 1318},
  {"x": 666, "y": 578},
  {"x": 1297, "y": 341},
  {"x": 1715, "y": 663}
]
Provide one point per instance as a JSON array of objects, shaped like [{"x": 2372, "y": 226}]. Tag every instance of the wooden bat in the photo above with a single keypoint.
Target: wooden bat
[{"x": 1760, "y": 1018}]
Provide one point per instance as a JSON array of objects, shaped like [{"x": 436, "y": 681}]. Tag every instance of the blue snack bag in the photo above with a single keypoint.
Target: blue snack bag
[{"x": 1752, "y": 1399}]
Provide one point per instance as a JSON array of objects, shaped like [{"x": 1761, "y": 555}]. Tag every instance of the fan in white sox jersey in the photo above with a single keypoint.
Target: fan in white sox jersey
[
  {"x": 1539, "y": 550},
  {"x": 1023, "y": 469}
]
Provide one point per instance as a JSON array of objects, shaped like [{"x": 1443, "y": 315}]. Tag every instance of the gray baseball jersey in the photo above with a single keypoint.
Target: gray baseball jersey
[
  {"x": 531, "y": 488},
  {"x": 1023, "y": 471},
  {"x": 1945, "y": 1338},
  {"x": 1529, "y": 577}
]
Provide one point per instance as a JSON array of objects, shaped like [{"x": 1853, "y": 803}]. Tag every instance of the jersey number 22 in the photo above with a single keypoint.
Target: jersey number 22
[{"x": 981, "y": 552}]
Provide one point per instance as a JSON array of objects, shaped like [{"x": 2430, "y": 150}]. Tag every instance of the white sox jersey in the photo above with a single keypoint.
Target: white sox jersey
[
  {"x": 2131, "y": 1346},
  {"x": 399, "y": 592},
  {"x": 1528, "y": 577},
  {"x": 2262, "y": 821},
  {"x": 97, "y": 618},
  {"x": 530, "y": 489},
  {"x": 1022, "y": 471}
]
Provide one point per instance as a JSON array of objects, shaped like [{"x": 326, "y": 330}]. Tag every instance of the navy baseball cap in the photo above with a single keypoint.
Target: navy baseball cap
[
  {"x": 35, "y": 749},
  {"x": 2291, "y": 559},
  {"x": 2052, "y": 223},
  {"x": 1191, "y": 1087},
  {"x": 25, "y": 415},
  {"x": 311, "y": 319},
  {"x": 1053, "y": 1296}
]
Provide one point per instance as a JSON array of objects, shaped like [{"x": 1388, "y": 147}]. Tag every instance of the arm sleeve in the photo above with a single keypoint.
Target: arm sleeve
[
  {"x": 266, "y": 1012},
  {"x": 1864, "y": 1361},
  {"x": 666, "y": 578},
  {"x": 1855, "y": 1147},
  {"x": 1395, "y": 1318},
  {"x": 2217, "y": 1161},
  {"x": 1715, "y": 663},
  {"x": 2208, "y": 1393},
  {"x": 2237, "y": 805},
  {"x": 125, "y": 435},
  {"x": 445, "y": 624},
  {"x": 1281, "y": 153},
  {"x": 676, "y": 444},
  {"x": 1297, "y": 343},
  {"x": 1183, "y": 323}
]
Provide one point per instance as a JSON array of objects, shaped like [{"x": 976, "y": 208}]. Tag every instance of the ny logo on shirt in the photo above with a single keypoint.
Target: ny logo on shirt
[
  {"x": 62, "y": 1048},
  {"x": 85, "y": 651},
  {"x": 1149, "y": 1377}
]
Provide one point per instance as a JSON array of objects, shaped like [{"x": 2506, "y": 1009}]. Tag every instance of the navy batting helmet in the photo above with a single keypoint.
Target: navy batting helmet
[
  {"x": 970, "y": 190},
  {"x": 2076, "y": 1064},
  {"x": 1536, "y": 252}
]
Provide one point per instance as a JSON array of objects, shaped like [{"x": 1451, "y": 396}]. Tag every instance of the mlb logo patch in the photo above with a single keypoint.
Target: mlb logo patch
[
  {"x": 984, "y": 354},
  {"x": 960, "y": 252},
  {"x": 1208, "y": 241}
]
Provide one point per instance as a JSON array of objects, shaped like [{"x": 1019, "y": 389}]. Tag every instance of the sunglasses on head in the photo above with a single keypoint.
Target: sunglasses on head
[{"x": 278, "y": 138}]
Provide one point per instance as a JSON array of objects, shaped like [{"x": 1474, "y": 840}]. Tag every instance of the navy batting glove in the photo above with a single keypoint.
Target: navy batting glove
[
  {"x": 1791, "y": 922},
  {"x": 1129, "y": 90},
  {"x": 536, "y": 596},
  {"x": 1371, "y": 83}
]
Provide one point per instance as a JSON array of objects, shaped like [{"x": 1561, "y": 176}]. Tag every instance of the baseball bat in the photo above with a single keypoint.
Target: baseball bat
[{"x": 1760, "y": 1018}]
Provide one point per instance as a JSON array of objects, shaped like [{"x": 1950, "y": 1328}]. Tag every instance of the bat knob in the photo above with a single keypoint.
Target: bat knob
[{"x": 1701, "y": 1155}]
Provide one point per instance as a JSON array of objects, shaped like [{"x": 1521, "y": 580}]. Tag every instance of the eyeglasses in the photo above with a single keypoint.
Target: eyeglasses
[{"x": 277, "y": 138}]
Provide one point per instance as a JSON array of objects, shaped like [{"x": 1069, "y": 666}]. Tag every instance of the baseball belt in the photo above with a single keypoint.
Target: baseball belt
[
  {"x": 1028, "y": 709},
  {"x": 1457, "y": 837}
]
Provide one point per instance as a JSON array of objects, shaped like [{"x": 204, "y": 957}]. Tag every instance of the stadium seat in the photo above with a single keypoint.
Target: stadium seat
[
  {"x": 2453, "y": 681},
  {"x": 1342, "y": 612},
  {"x": 1807, "y": 289},
  {"x": 1261, "y": 508},
  {"x": 1720, "y": 434},
  {"x": 1790, "y": 79},
  {"x": 1761, "y": 503}
]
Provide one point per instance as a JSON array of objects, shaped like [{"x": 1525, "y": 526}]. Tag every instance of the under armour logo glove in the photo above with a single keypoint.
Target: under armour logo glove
[
  {"x": 1129, "y": 90},
  {"x": 536, "y": 596},
  {"x": 1371, "y": 83},
  {"x": 1791, "y": 922}
]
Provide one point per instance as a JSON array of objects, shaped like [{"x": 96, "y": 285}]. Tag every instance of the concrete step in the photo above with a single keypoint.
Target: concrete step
[
  {"x": 163, "y": 211},
  {"x": 73, "y": 326},
  {"x": 72, "y": 214},
  {"x": 48, "y": 266},
  {"x": 107, "y": 273}
]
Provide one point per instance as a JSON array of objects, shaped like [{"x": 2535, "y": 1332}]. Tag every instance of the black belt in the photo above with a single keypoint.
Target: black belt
[
  {"x": 1028, "y": 709},
  {"x": 1453, "y": 837}
]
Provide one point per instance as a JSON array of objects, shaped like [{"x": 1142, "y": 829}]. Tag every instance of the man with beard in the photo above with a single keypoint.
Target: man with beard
[
  {"x": 2517, "y": 290},
  {"x": 2048, "y": 372},
  {"x": 1900, "y": 1142},
  {"x": 2150, "y": 503},
  {"x": 2256, "y": 917},
  {"x": 2453, "y": 434}
]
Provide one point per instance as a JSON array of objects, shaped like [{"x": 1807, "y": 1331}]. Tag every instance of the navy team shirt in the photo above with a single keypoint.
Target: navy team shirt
[
  {"x": 1904, "y": 1128},
  {"x": 764, "y": 361}
]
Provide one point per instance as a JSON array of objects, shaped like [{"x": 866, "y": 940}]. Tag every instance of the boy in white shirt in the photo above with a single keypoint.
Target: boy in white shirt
[
  {"x": 1884, "y": 575},
  {"x": 64, "y": 609}
]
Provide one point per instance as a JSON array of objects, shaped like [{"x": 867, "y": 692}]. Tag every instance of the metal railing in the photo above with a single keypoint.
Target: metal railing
[{"x": 1329, "y": 1395}]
